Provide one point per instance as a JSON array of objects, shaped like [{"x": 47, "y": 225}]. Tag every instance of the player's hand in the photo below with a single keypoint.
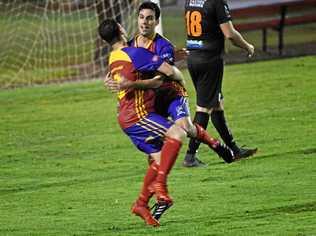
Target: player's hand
[
  {"x": 111, "y": 84},
  {"x": 124, "y": 83},
  {"x": 185, "y": 51},
  {"x": 250, "y": 51}
]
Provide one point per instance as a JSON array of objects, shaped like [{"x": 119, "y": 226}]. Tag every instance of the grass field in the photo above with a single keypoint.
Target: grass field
[{"x": 67, "y": 169}]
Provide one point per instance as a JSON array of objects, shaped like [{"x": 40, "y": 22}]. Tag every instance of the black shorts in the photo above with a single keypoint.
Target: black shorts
[{"x": 207, "y": 76}]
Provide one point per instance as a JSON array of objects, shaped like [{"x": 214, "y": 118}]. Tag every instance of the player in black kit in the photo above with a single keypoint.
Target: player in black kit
[{"x": 208, "y": 23}]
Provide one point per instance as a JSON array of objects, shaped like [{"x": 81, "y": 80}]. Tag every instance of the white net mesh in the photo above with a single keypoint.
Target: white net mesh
[{"x": 55, "y": 40}]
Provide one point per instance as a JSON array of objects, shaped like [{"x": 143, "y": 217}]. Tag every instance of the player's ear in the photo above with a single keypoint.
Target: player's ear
[{"x": 157, "y": 22}]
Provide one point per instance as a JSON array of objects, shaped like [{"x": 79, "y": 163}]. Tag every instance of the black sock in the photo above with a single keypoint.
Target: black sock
[
  {"x": 219, "y": 122},
  {"x": 202, "y": 119}
]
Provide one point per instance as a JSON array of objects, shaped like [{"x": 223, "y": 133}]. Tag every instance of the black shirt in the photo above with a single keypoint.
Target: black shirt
[{"x": 203, "y": 19}]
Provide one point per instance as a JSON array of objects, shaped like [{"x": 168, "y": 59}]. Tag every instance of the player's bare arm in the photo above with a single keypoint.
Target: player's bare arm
[
  {"x": 123, "y": 83},
  {"x": 236, "y": 38},
  {"x": 154, "y": 82},
  {"x": 172, "y": 72}
]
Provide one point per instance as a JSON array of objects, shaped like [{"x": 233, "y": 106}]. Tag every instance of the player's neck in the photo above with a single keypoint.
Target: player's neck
[
  {"x": 145, "y": 41},
  {"x": 119, "y": 45}
]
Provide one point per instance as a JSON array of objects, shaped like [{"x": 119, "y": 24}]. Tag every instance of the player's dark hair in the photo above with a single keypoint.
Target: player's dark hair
[
  {"x": 109, "y": 31},
  {"x": 152, "y": 6}
]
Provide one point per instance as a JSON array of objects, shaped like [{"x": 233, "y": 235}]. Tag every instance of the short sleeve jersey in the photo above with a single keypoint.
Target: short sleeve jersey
[
  {"x": 165, "y": 50},
  {"x": 158, "y": 45},
  {"x": 127, "y": 62},
  {"x": 203, "y": 19}
]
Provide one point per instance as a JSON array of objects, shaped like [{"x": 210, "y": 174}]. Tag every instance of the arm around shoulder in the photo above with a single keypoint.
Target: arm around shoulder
[{"x": 172, "y": 72}]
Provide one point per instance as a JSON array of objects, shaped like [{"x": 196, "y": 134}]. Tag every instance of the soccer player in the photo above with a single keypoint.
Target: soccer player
[
  {"x": 138, "y": 120},
  {"x": 171, "y": 96},
  {"x": 136, "y": 114},
  {"x": 208, "y": 23}
]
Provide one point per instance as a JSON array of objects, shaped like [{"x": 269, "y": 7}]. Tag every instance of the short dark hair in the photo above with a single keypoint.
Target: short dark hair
[
  {"x": 109, "y": 31},
  {"x": 152, "y": 6}
]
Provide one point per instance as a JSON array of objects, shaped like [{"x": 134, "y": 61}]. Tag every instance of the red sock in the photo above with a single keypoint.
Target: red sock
[
  {"x": 204, "y": 137},
  {"x": 149, "y": 178},
  {"x": 169, "y": 154}
]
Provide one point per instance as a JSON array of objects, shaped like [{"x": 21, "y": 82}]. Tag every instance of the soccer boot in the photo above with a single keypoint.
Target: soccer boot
[
  {"x": 143, "y": 211},
  {"x": 190, "y": 160},
  {"x": 161, "y": 192},
  {"x": 241, "y": 153},
  {"x": 160, "y": 208},
  {"x": 224, "y": 152}
]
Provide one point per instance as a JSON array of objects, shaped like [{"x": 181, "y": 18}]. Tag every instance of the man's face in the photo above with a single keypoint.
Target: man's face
[{"x": 147, "y": 22}]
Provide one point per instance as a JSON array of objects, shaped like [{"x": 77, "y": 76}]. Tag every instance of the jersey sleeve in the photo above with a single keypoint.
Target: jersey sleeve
[
  {"x": 222, "y": 11},
  {"x": 145, "y": 61},
  {"x": 167, "y": 54}
]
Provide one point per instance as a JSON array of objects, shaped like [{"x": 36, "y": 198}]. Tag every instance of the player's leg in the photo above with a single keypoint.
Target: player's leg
[
  {"x": 141, "y": 207},
  {"x": 191, "y": 160},
  {"x": 219, "y": 122},
  {"x": 179, "y": 112},
  {"x": 159, "y": 208},
  {"x": 147, "y": 136},
  {"x": 169, "y": 154},
  {"x": 147, "y": 190},
  {"x": 207, "y": 80}
]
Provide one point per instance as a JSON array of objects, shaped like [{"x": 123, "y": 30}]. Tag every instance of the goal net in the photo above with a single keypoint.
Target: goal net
[{"x": 56, "y": 40}]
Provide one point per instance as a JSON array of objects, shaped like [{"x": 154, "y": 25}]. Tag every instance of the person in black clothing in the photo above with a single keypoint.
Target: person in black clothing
[{"x": 208, "y": 23}]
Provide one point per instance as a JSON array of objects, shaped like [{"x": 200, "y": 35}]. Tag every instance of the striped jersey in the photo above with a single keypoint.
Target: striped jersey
[{"x": 129, "y": 62}]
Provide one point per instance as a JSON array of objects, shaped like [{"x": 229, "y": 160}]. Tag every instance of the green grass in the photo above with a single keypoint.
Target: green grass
[{"x": 67, "y": 169}]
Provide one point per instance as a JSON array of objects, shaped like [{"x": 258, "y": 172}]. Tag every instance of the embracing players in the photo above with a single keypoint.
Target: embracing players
[{"x": 139, "y": 121}]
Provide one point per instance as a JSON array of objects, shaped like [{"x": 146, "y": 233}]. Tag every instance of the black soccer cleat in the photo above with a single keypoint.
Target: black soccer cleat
[
  {"x": 191, "y": 160},
  {"x": 224, "y": 152},
  {"x": 160, "y": 208},
  {"x": 241, "y": 153}
]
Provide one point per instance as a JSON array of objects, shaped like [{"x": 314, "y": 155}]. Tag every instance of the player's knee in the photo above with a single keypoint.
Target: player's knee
[
  {"x": 176, "y": 132},
  {"x": 219, "y": 107},
  {"x": 154, "y": 157},
  {"x": 186, "y": 124}
]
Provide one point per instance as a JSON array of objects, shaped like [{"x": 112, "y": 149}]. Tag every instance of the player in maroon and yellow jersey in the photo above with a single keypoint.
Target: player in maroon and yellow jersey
[{"x": 138, "y": 119}]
